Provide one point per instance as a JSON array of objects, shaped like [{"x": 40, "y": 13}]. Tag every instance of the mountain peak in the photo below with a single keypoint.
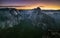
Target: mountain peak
[{"x": 38, "y": 8}]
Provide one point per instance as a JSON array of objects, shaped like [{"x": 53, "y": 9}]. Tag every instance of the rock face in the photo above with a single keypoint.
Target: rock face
[
  {"x": 7, "y": 17},
  {"x": 34, "y": 18}
]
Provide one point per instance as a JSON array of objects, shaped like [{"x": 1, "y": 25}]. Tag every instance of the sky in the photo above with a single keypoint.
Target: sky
[{"x": 30, "y": 4}]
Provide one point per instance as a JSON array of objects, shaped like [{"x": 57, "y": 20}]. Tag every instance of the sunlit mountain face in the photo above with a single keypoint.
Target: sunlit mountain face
[{"x": 30, "y": 4}]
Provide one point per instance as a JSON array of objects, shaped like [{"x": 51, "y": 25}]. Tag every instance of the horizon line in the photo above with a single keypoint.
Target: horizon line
[{"x": 25, "y": 6}]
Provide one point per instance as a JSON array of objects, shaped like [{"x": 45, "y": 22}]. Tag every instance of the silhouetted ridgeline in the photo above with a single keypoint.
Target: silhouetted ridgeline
[{"x": 24, "y": 23}]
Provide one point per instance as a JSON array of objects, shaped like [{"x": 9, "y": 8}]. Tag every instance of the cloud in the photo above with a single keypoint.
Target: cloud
[{"x": 15, "y": 6}]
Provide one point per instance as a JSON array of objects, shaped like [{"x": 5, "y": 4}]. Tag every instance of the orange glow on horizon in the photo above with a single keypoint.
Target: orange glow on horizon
[{"x": 43, "y": 6}]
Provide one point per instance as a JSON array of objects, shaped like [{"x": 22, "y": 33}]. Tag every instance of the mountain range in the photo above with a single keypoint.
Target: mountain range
[{"x": 35, "y": 18}]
